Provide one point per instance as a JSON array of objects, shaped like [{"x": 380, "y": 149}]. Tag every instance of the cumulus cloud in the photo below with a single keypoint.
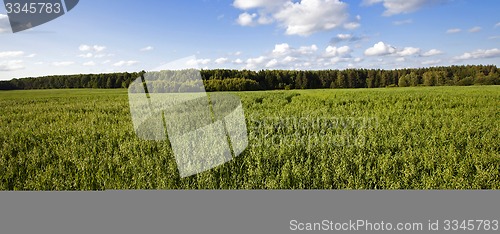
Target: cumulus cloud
[
  {"x": 196, "y": 62},
  {"x": 11, "y": 54},
  {"x": 246, "y": 19},
  {"x": 238, "y": 61},
  {"x": 4, "y": 24},
  {"x": 147, "y": 48},
  {"x": 380, "y": 49},
  {"x": 354, "y": 24},
  {"x": 475, "y": 29},
  {"x": 12, "y": 65},
  {"x": 125, "y": 63},
  {"x": 432, "y": 52},
  {"x": 307, "y": 49},
  {"x": 431, "y": 62},
  {"x": 221, "y": 60},
  {"x": 63, "y": 64},
  {"x": 94, "y": 48},
  {"x": 303, "y": 17},
  {"x": 281, "y": 48},
  {"x": 395, "y": 7},
  {"x": 345, "y": 38},
  {"x": 332, "y": 51},
  {"x": 309, "y": 16},
  {"x": 285, "y": 49},
  {"x": 251, "y": 4},
  {"x": 89, "y": 64},
  {"x": 289, "y": 59},
  {"x": 408, "y": 51},
  {"x": 480, "y": 54},
  {"x": 87, "y": 55},
  {"x": 453, "y": 30},
  {"x": 401, "y": 59},
  {"x": 253, "y": 63},
  {"x": 272, "y": 63}
]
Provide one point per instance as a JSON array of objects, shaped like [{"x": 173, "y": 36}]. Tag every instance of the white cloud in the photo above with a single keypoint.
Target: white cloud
[
  {"x": 253, "y": 63},
  {"x": 497, "y": 25},
  {"x": 94, "y": 48},
  {"x": 309, "y": 16},
  {"x": 11, "y": 54},
  {"x": 31, "y": 56},
  {"x": 345, "y": 38},
  {"x": 431, "y": 62},
  {"x": 281, "y": 48},
  {"x": 380, "y": 49},
  {"x": 307, "y": 49},
  {"x": 148, "y": 48},
  {"x": 4, "y": 24},
  {"x": 251, "y": 4},
  {"x": 494, "y": 37},
  {"x": 238, "y": 61},
  {"x": 432, "y": 53},
  {"x": 272, "y": 63},
  {"x": 480, "y": 54},
  {"x": 63, "y": 64},
  {"x": 475, "y": 29},
  {"x": 289, "y": 59},
  {"x": 246, "y": 19},
  {"x": 394, "y": 7},
  {"x": 196, "y": 62},
  {"x": 303, "y": 17},
  {"x": 12, "y": 65},
  {"x": 125, "y": 63},
  {"x": 221, "y": 60},
  {"x": 408, "y": 51},
  {"x": 453, "y": 30},
  {"x": 87, "y": 55},
  {"x": 89, "y": 64},
  {"x": 354, "y": 24},
  {"x": 401, "y": 59},
  {"x": 402, "y": 22},
  {"x": 332, "y": 51},
  {"x": 103, "y": 55}
]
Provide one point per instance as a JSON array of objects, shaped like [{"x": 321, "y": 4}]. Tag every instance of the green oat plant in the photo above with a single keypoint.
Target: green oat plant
[{"x": 399, "y": 138}]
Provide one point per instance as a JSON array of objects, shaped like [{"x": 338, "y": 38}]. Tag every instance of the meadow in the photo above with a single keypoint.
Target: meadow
[{"x": 387, "y": 138}]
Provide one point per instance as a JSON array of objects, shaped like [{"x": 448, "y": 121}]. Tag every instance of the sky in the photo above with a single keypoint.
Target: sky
[{"x": 123, "y": 35}]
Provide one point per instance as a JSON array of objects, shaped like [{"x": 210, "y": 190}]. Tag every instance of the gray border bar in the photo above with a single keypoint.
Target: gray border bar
[{"x": 232, "y": 211}]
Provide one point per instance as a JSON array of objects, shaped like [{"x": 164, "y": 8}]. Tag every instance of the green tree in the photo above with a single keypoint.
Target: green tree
[{"x": 404, "y": 81}]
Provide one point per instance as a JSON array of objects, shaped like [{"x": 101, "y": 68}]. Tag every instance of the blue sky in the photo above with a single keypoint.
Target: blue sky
[{"x": 123, "y": 35}]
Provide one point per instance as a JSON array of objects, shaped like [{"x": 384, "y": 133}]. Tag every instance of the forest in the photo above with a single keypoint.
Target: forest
[{"x": 246, "y": 80}]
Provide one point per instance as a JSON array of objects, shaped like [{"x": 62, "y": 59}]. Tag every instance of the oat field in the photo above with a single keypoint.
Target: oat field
[{"x": 388, "y": 138}]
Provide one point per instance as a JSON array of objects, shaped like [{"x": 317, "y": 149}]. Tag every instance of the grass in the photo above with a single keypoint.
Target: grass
[{"x": 402, "y": 138}]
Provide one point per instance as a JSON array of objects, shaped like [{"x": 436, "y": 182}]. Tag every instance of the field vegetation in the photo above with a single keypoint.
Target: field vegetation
[{"x": 389, "y": 138}]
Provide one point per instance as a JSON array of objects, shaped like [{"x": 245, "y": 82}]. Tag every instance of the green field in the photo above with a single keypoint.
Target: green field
[{"x": 399, "y": 138}]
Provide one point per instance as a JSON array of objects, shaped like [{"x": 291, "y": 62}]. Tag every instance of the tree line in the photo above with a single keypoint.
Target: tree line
[{"x": 246, "y": 80}]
